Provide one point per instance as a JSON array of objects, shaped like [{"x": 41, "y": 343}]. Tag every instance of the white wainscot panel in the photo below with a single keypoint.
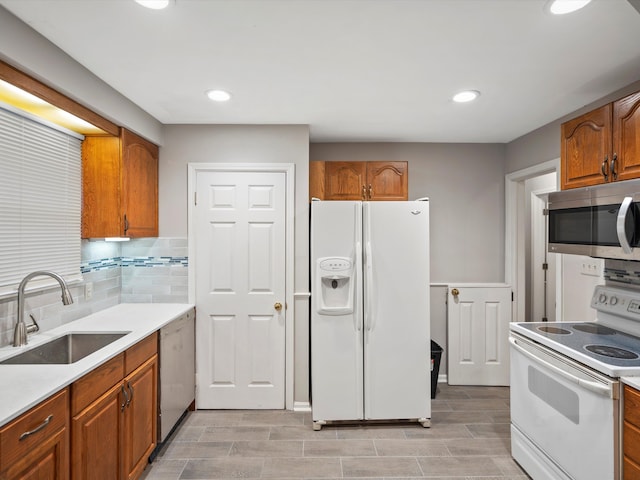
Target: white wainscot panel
[{"x": 492, "y": 323}]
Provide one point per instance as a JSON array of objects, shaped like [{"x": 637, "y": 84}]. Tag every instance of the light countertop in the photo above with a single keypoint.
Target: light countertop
[
  {"x": 633, "y": 382},
  {"x": 24, "y": 386}
]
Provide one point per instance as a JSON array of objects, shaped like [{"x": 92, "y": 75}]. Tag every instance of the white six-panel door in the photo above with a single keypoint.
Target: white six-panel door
[
  {"x": 240, "y": 289},
  {"x": 478, "y": 329}
]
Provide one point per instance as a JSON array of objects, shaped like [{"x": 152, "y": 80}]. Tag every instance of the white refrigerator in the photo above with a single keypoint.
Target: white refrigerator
[{"x": 370, "y": 325}]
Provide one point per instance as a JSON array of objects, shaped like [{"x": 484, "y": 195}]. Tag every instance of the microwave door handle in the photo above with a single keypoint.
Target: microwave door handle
[{"x": 620, "y": 224}]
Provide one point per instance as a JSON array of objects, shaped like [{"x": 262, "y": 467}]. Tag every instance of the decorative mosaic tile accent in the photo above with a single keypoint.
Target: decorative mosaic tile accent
[
  {"x": 106, "y": 263},
  {"x": 154, "y": 261}
]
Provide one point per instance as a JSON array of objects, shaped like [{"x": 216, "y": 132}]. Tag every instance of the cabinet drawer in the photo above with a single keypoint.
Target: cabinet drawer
[
  {"x": 88, "y": 388},
  {"x": 141, "y": 352},
  {"x": 632, "y": 406},
  {"x": 34, "y": 427}
]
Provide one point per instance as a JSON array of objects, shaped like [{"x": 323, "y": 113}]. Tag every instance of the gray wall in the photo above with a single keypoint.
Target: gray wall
[
  {"x": 465, "y": 186},
  {"x": 543, "y": 144},
  {"x": 31, "y": 53},
  {"x": 186, "y": 144}
]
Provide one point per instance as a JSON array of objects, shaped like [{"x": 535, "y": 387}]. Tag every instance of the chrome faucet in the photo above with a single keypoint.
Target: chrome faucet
[{"x": 21, "y": 330}]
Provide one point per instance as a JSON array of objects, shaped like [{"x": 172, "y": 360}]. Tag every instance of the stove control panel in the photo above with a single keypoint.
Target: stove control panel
[{"x": 616, "y": 301}]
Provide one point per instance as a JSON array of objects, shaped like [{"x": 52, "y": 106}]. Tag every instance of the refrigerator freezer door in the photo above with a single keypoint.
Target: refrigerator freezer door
[
  {"x": 336, "y": 337},
  {"x": 397, "y": 327}
]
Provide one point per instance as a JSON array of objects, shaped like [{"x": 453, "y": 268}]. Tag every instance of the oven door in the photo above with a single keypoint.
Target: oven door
[{"x": 563, "y": 414}]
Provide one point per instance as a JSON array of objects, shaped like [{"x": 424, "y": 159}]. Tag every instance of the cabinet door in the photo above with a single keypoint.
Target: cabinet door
[
  {"x": 586, "y": 149},
  {"x": 46, "y": 461},
  {"x": 101, "y": 187},
  {"x": 316, "y": 179},
  {"x": 96, "y": 433},
  {"x": 626, "y": 137},
  {"x": 387, "y": 181},
  {"x": 139, "y": 186},
  {"x": 140, "y": 418},
  {"x": 345, "y": 180},
  {"x": 35, "y": 446}
]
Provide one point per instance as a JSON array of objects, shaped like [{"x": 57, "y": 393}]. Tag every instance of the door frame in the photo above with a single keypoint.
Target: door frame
[
  {"x": 289, "y": 170},
  {"x": 539, "y": 224},
  {"x": 514, "y": 251}
]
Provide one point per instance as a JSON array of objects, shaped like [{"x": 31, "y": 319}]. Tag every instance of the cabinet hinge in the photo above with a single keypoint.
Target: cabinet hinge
[
  {"x": 545, "y": 266},
  {"x": 545, "y": 211},
  {"x": 195, "y": 198},
  {"x": 512, "y": 295}
]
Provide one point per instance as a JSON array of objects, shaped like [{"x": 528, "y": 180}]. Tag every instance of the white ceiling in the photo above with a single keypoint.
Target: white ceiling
[{"x": 353, "y": 70}]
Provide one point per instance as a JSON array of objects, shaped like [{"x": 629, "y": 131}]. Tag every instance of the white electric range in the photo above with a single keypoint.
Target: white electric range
[{"x": 565, "y": 389}]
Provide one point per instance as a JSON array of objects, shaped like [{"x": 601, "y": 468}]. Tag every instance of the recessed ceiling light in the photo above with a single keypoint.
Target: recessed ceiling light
[
  {"x": 466, "y": 96},
  {"x": 154, "y": 4},
  {"x": 218, "y": 95},
  {"x": 560, "y": 7}
]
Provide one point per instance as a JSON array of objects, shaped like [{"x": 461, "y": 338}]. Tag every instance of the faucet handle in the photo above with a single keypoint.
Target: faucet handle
[{"x": 34, "y": 327}]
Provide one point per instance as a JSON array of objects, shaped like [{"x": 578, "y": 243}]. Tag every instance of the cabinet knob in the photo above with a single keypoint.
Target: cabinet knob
[
  {"x": 455, "y": 292},
  {"x": 277, "y": 306}
]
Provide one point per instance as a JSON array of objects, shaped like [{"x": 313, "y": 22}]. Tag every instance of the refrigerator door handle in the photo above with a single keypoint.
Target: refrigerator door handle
[
  {"x": 368, "y": 281},
  {"x": 368, "y": 290},
  {"x": 357, "y": 315}
]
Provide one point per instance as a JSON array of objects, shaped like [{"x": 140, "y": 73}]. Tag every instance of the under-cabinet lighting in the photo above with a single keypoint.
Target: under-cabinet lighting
[{"x": 117, "y": 239}]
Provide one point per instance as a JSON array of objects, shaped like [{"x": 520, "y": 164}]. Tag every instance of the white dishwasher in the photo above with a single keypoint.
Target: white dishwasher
[{"x": 177, "y": 372}]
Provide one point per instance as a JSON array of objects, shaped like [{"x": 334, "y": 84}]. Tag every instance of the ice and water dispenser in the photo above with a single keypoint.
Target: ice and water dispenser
[{"x": 335, "y": 276}]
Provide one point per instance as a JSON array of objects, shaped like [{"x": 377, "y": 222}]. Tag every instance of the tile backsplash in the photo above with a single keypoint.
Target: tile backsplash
[{"x": 147, "y": 270}]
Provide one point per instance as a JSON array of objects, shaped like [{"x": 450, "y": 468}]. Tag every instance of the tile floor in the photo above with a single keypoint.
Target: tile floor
[{"x": 468, "y": 439}]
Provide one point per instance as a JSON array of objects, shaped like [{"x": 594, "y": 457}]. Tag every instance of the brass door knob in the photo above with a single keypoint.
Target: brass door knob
[
  {"x": 277, "y": 306},
  {"x": 455, "y": 292}
]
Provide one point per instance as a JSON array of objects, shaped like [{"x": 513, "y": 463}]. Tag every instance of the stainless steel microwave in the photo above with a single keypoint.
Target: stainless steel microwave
[{"x": 600, "y": 221}]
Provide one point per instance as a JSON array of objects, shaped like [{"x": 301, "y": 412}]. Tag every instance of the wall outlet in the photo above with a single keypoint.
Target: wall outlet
[
  {"x": 88, "y": 290},
  {"x": 592, "y": 268}
]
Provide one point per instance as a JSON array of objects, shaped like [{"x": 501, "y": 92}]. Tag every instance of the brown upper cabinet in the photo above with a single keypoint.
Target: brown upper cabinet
[
  {"x": 602, "y": 145},
  {"x": 359, "y": 180},
  {"x": 119, "y": 186}
]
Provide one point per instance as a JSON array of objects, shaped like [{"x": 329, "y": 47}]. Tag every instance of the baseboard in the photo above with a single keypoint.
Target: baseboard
[
  {"x": 301, "y": 407},
  {"x": 442, "y": 378}
]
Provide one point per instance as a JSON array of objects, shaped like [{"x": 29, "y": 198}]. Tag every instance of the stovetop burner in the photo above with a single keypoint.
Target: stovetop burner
[
  {"x": 612, "y": 352},
  {"x": 594, "y": 328},
  {"x": 554, "y": 330}
]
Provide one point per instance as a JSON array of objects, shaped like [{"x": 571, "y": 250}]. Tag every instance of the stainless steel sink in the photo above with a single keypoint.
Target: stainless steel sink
[{"x": 64, "y": 350}]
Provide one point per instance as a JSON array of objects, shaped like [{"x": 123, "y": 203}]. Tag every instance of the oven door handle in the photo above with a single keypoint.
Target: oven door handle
[{"x": 589, "y": 385}]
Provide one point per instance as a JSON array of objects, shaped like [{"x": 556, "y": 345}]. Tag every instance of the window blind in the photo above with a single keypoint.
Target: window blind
[{"x": 40, "y": 199}]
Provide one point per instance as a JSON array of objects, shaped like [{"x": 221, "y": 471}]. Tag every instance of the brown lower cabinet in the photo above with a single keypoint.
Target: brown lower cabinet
[
  {"x": 631, "y": 434},
  {"x": 35, "y": 446},
  {"x": 114, "y": 416},
  {"x": 102, "y": 427}
]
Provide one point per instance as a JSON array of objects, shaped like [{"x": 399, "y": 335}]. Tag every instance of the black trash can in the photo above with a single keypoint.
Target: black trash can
[{"x": 436, "y": 356}]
